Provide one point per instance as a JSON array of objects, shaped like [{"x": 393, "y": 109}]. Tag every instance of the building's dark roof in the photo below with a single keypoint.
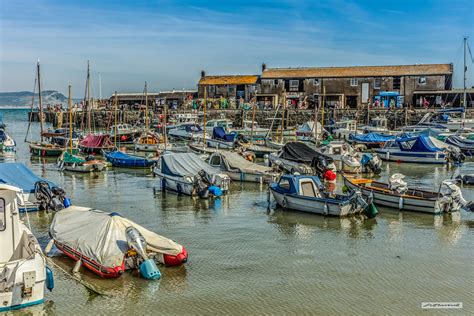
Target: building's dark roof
[{"x": 359, "y": 71}]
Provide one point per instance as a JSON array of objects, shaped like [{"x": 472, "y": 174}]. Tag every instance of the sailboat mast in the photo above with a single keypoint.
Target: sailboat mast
[
  {"x": 465, "y": 72},
  {"x": 115, "y": 120},
  {"x": 70, "y": 119},
  {"x": 146, "y": 107},
  {"x": 40, "y": 100},
  {"x": 88, "y": 101}
]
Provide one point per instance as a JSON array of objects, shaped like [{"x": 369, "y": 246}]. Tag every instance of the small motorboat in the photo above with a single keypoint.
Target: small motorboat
[
  {"x": 396, "y": 194},
  {"x": 151, "y": 142},
  {"x": 221, "y": 140},
  {"x": 297, "y": 157},
  {"x": 124, "y": 160},
  {"x": 240, "y": 169},
  {"x": 106, "y": 243},
  {"x": 125, "y": 133},
  {"x": 95, "y": 144},
  {"x": 76, "y": 163},
  {"x": 306, "y": 193},
  {"x": 7, "y": 143},
  {"x": 23, "y": 270},
  {"x": 187, "y": 173},
  {"x": 420, "y": 149},
  {"x": 186, "y": 132},
  {"x": 45, "y": 149}
]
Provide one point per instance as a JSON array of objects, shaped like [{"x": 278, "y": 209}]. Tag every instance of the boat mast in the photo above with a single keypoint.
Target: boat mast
[
  {"x": 88, "y": 98},
  {"x": 315, "y": 123},
  {"x": 164, "y": 123},
  {"x": 253, "y": 122},
  {"x": 464, "y": 82},
  {"x": 146, "y": 107},
  {"x": 115, "y": 120},
  {"x": 283, "y": 116},
  {"x": 70, "y": 120},
  {"x": 322, "y": 108},
  {"x": 40, "y": 99},
  {"x": 204, "y": 118},
  {"x": 30, "y": 117}
]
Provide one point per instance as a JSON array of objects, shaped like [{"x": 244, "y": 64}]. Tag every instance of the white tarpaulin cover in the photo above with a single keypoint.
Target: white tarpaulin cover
[
  {"x": 185, "y": 164},
  {"x": 236, "y": 161},
  {"x": 101, "y": 236}
]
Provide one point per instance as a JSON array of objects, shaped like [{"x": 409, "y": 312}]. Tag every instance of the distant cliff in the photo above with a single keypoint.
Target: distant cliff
[{"x": 22, "y": 99}]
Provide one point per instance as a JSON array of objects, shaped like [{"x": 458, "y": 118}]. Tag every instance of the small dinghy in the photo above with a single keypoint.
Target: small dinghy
[
  {"x": 7, "y": 143},
  {"x": 75, "y": 163},
  {"x": 240, "y": 169},
  {"x": 23, "y": 270},
  {"x": 124, "y": 160},
  {"x": 188, "y": 174},
  {"x": 306, "y": 194},
  {"x": 108, "y": 244},
  {"x": 396, "y": 194}
]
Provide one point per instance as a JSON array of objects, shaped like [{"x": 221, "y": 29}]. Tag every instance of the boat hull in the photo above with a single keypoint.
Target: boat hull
[
  {"x": 400, "y": 202},
  {"x": 415, "y": 157},
  {"x": 45, "y": 150},
  {"x": 250, "y": 177},
  {"x": 313, "y": 205},
  {"x": 181, "y": 185}
]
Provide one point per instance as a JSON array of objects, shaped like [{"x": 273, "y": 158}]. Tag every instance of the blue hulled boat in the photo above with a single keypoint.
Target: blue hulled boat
[{"x": 123, "y": 160}]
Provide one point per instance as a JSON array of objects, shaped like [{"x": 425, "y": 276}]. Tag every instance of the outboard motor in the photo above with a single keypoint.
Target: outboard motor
[
  {"x": 49, "y": 198},
  {"x": 136, "y": 241},
  {"x": 454, "y": 155},
  {"x": 371, "y": 163},
  {"x": 202, "y": 184},
  {"x": 321, "y": 164},
  {"x": 396, "y": 183},
  {"x": 452, "y": 199}
]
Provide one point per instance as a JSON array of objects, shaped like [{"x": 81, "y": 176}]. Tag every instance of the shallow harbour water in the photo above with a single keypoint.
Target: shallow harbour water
[{"x": 245, "y": 259}]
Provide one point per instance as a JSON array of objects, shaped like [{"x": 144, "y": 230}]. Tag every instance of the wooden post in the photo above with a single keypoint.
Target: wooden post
[
  {"x": 164, "y": 123},
  {"x": 322, "y": 109},
  {"x": 253, "y": 122}
]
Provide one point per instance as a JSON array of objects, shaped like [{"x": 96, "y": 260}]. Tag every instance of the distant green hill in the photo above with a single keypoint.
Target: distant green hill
[{"x": 22, "y": 99}]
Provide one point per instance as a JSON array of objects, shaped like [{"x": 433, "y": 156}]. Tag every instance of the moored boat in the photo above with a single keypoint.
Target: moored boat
[
  {"x": 23, "y": 270},
  {"x": 240, "y": 169},
  {"x": 306, "y": 194},
  {"x": 99, "y": 240},
  {"x": 186, "y": 173},
  {"x": 124, "y": 160},
  {"x": 75, "y": 163},
  {"x": 396, "y": 194},
  {"x": 95, "y": 144}
]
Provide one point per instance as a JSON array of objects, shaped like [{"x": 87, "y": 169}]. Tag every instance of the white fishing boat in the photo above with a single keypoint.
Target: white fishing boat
[
  {"x": 186, "y": 132},
  {"x": 306, "y": 194},
  {"x": 186, "y": 173},
  {"x": 125, "y": 133},
  {"x": 23, "y": 270},
  {"x": 247, "y": 130},
  {"x": 378, "y": 124},
  {"x": 396, "y": 194},
  {"x": 240, "y": 169},
  {"x": 7, "y": 143}
]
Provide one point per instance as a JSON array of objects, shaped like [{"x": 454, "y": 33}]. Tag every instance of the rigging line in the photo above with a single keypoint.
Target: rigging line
[
  {"x": 32, "y": 107},
  {"x": 470, "y": 53}
]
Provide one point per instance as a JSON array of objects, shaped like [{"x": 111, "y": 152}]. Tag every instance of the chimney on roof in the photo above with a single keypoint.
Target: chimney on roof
[
  {"x": 264, "y": 66},
  {"x": 203, "y": 73}
]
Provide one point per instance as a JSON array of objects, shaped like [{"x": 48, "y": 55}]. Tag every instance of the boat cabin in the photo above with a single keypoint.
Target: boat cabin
[
  {"x": 11, "y": 233},
  {"x": 309, "y": 186},
  {"x": 121, "y": 129},
  {"x": 224, "y": 123}
]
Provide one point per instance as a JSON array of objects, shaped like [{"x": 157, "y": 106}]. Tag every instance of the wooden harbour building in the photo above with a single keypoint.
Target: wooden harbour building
[{"x": 352, "y": 87}]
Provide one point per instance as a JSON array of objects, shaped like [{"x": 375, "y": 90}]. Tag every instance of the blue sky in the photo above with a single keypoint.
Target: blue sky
[{"x": 168, "y": 43}]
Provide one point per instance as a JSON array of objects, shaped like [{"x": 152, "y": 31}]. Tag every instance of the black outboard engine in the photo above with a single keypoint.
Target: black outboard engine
[
  {"x": 371, "y": 163},
  {"x": 454, "y": 155},
  {"x": 49, "y": 198},
  {"x": 202, "y": 183},
  {"x": 321, "y": 164}
]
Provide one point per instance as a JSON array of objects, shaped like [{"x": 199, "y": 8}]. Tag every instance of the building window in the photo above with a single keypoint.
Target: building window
[
  {"x": 275, "y": 82},
  {"x": 354, "y": 82},
  {"x": 316, "y": 81},
  {"x": 422, "y": 80},
  {"x": 267, "y": 82},
  {"x": 211, "y": 89},
  {"x": 231, "y": 90},
  {"x": 294, "y": 85},
  {"x": 377, "y": 83},
  {"x": 396, "y": 83}
]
